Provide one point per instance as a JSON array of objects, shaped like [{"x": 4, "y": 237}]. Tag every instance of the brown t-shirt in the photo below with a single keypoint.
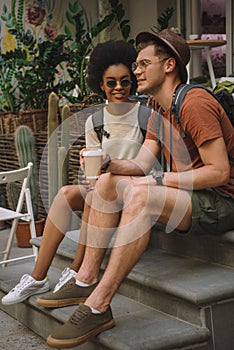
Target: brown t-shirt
[{"x": 202, "y": 119}]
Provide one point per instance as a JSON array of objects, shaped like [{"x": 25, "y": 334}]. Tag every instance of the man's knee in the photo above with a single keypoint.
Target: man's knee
[{"x": 135, "y": 197}]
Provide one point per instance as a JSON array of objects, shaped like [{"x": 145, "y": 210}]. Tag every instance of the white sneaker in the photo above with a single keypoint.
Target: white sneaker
[
  {"x": 66, "y": 275},
  {"x": 25, "y": 288}
]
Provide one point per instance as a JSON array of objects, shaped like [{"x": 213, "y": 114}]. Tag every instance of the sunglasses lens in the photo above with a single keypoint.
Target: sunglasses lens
[
  {"x": 125, "y": 83},
  {"x": 111, "y": 83}
]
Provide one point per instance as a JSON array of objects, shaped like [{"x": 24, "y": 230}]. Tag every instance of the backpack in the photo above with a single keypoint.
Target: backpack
[
  {"x": 97, "y": 119},
  {"x": 223, "y": 97}
]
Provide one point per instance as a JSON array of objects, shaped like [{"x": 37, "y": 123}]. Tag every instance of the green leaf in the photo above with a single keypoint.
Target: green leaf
[
  {"x": 4, "y": 9},
  {"x": 120, "y": 13},
  {"x": 70, "y": 18},
  {"x": 67, "y": 31},
  {"x": 126, "y": 31},
  {"x": 73, "y": 8},
  {"x": 76, "y": 6},
  {"x": 123, "y": 23}
]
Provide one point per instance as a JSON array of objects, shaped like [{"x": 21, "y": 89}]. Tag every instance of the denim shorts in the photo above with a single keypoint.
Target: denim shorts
[{"x": 212, "y": 212}]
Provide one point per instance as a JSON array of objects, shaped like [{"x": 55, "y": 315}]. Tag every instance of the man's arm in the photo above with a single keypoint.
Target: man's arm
[
  {"x": 139, "y": 166},
  {"x": 215, "y": 172}
]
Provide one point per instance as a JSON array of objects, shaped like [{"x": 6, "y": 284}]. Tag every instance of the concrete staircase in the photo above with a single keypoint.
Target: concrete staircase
[{"x": 180, "y": 295}]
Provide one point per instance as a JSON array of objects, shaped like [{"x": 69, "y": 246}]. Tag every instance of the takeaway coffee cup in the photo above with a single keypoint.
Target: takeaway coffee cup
[{"x": 93, "y": 163}]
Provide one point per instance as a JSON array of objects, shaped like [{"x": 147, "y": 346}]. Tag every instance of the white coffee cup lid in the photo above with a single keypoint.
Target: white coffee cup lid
[{"x": 93, "y": 153}]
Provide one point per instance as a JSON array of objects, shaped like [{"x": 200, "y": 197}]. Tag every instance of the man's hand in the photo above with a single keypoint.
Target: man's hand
[{"x": 143, "y": 180}]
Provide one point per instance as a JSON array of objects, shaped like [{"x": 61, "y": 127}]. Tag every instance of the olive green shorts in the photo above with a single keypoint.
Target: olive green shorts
[{"x": 212, "y": 212}]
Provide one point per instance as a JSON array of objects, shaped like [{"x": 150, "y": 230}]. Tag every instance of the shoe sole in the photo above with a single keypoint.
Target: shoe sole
[
  {"x": 70, "y": 343},
  {"x": 60, "y": 302},
  {"x": 20, "y": 300}
]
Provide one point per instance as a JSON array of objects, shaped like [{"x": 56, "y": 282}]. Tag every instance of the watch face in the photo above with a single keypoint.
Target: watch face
[
  {"x": 158, "y": 173},
  {"x": 158, "y": 176}
]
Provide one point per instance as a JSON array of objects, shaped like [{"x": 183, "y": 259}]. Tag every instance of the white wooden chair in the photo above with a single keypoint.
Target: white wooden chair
[{"x": 22, "y": 175}]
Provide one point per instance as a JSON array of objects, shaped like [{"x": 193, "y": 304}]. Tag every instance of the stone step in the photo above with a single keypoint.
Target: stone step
[
  {"x": 160, "y": 276},
  {"x": 218, "y": 249},
  {"x": 138, "y": 326},
  {"x": 193, "y": 290}
]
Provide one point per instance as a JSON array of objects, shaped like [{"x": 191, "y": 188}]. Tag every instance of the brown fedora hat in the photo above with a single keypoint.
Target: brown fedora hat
[{"x": 175, "y": 43}]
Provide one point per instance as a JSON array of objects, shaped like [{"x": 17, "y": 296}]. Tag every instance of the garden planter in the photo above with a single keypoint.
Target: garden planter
[{"x": 23, "y": 232}]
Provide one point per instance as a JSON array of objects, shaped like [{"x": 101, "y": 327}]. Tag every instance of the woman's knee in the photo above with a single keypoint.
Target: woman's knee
[
  {"x": 71, "y": 195},
  {"x": 106, "y": 185}
]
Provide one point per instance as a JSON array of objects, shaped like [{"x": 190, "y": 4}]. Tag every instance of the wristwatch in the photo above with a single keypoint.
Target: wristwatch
[
  {"x": 158, "y": 176},
  {"x": 107, "y": 164}
]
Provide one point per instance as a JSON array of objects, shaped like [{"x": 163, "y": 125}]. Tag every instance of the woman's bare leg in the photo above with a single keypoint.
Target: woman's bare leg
[
  {"x": 76, "y": 263},
  {"x": 68, "y": 199}
]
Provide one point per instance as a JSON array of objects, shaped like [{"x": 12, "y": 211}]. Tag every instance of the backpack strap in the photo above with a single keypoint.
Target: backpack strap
[
  {"x": 178, "y": 99},
  {"x": 98, "y": 124},
  {"x": 97, "y": 119},
  {"x": 143, "y": 117}
]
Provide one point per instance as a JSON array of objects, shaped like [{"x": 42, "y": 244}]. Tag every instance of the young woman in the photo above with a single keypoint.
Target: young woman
[{"x": 109, "y": 74}]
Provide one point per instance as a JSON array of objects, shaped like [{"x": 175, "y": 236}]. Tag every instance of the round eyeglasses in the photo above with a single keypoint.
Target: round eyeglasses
[
  {"x": 143, "y": 64},
  {"x": 113, "y": 83}
]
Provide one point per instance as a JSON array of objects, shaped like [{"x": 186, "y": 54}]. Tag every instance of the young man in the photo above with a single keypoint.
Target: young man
[{"x": 197, "y": 195}]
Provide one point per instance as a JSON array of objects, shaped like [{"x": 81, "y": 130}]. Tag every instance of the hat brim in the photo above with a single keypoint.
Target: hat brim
[{"x": 146, "y": 36}]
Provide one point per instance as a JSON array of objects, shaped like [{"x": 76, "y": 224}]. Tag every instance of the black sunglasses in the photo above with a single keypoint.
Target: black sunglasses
[{"x": 124, "y": 83}]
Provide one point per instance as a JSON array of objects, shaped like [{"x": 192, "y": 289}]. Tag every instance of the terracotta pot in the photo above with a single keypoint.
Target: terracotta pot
[
  {"x": 23, "y": 233},
  {"x": 2, "y": 225}
]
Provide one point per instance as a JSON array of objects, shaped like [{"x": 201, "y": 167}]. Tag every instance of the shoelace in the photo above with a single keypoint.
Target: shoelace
[
  {"x": 68, "y": 284},
  {"x": 65, "y": 273},
  {"x": 25, "y": 281},
  {"x": 78, "y": 316}
]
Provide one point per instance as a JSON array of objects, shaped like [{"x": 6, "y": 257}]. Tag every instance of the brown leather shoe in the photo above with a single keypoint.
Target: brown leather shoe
[
  {"x": 81, "y": 326},
  {"x": 69, "y": 294}
]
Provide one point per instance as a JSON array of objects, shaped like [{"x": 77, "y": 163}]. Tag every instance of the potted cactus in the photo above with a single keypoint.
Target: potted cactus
[{"x": 25, "y": 148}]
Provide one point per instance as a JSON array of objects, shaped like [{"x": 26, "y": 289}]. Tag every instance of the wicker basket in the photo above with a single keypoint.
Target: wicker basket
[{"x": 35, "y": 119}]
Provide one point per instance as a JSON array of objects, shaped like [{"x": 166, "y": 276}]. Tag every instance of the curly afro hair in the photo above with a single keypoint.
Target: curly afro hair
[{"x": 105, "y": 55}]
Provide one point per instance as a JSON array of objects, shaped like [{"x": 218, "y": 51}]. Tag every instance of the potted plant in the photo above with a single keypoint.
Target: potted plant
[
  {"x": 42, "y": 60},
  {"x": 28, "y": 72},
  {"x": 25, "y": 148}
]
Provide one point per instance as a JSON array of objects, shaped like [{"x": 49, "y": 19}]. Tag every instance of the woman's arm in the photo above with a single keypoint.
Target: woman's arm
[{"x": 141, "y": 165}]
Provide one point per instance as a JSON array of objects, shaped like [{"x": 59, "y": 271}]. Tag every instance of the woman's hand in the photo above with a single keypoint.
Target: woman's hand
[
  {"x": 81, "y": 175},
  {"x": 82, "y": 163}
]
